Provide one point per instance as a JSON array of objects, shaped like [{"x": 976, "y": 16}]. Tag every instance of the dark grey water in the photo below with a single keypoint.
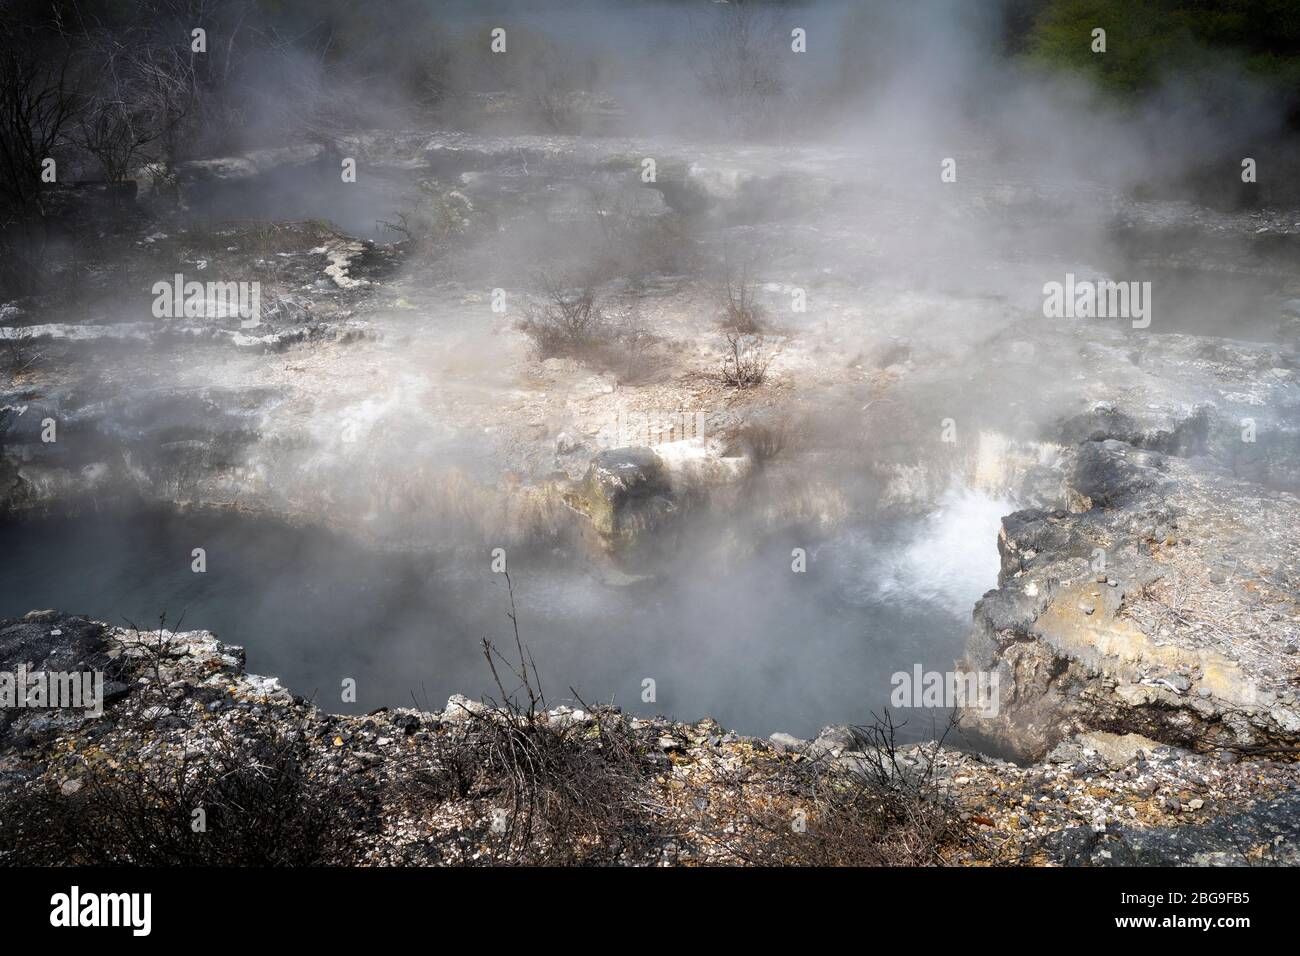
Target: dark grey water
[
  {"x": 746, "y": 641},
  {"x": 310, "y": 191}
]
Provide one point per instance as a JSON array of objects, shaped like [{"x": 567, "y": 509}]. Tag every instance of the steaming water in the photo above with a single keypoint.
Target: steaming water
[
  {"x": 306, "y": 192},
  {"x": 953, "y": 561},
  {"x": 744, "y": 640}
]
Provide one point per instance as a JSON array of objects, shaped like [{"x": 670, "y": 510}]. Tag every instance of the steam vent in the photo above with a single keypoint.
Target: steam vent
[{"x": 763, "y": 433}]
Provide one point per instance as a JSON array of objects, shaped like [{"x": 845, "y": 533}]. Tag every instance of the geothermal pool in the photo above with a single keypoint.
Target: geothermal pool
[{"x": 731, "y": 632}]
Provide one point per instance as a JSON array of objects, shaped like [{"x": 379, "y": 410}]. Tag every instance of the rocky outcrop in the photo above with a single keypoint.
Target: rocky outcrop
[
  {"x": 244, "y": 165},
  {"x": 625, "y": 494},
  {"x": 1163, "y": 602}
]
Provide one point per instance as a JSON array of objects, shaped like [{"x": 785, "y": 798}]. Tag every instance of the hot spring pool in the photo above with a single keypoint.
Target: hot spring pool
[{"x": 746, "y": 641}]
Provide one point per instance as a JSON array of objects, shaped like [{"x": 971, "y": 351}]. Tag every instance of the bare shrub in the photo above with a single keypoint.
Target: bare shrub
[
  {"x": 113, "y": 136},
  {"x": 37, "y": 105},
  {"x": 558, "y": 108},
  {"x": 741, "y": 313},
  {"x": 741, "y": 71},
  {"x": 568, "y": 321},
  {"x": 638, "y": 243},
  {"x": 552, "y": 77},
  {"x": 19, "y": 355},
  {"x": 153, "y": 646},
  {"x": 571, "y": 322},
  {"x": 881, "y": 811},
  {"x": 629, "y": 351},
  {"x": 737, "y": 295},
  {"x": 261, "y": 808},
  {"x": 746, "y": 360},
  {"x": 666, "y": 245},
  {"x": 432, "y": 218},
  {"x": 143, "y": 90},
  {"x": 570, "y": 792},
  {"x": 761, "y": 441},
  {"x": 634, "y": 354}
]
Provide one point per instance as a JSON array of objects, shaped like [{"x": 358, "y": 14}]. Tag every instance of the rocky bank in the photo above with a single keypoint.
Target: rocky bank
[{"x": 1096, "y": 799}]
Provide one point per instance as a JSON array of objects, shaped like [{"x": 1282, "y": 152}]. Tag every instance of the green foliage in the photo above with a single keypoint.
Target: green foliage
[{"x": 1147, "y": 40}]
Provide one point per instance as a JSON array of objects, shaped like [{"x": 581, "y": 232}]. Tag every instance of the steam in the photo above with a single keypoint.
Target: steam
[
  {"x": 436, "y": 433},
  {"x": 943, "y": 563}
]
